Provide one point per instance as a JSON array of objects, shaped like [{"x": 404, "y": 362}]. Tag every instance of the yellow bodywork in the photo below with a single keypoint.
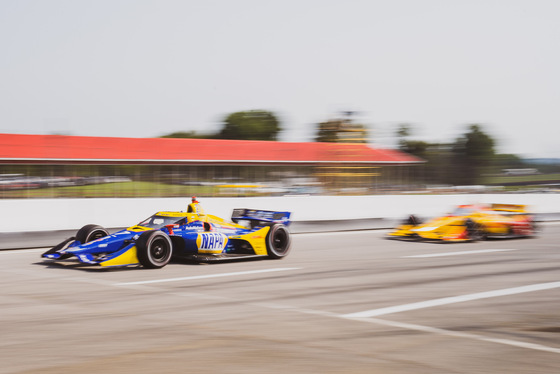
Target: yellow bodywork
[
  {"x": 127, "y": 258},
  {"x": 492, "y": 220},
  {"x": 257, "y": 239},
  {"x": 444, "y": 228}
]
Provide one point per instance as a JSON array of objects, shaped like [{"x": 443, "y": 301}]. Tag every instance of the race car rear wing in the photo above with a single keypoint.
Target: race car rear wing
[
  {"x": 514, "y": 208},
  {"x": 260, "y": 217}
]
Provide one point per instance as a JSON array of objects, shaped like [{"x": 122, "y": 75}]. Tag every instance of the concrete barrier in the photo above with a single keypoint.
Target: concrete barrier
[{"x": 33, "y": 219}]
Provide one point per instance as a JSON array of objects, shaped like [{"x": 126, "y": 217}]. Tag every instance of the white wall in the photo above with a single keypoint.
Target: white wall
[{"x": 63, "y": 214}]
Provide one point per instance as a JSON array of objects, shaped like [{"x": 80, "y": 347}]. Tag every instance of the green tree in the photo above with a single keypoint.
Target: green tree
[
  {"x": 250, "y": 125},
  {"x": 508, "y": 161},
  {"x": 403, "y": 131},
  {"x": 341, "y": 131},
  {"x": 415, "y": 147},
  {"x": 187, "y": 134},
  {"x": 473, "y": 153}
]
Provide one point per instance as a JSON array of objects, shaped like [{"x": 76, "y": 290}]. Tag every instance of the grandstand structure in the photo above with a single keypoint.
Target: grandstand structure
[{"x": 223, "y": 167}]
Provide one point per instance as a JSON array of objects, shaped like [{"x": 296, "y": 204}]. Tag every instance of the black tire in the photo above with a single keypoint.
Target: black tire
[
  {"x": 475, "y": 231},
  {"x": 535, "y": 228},
  {"x": 154, "y": 249},
  {"x": 278, "y": 241},
  {"x": 89, "y": 233}
]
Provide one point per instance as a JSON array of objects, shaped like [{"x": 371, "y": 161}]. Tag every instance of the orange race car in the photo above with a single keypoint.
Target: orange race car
[{"x": 470, "y": 223}]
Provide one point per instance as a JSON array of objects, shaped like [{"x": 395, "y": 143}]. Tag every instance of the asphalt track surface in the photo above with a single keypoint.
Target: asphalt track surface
[{"x": 349, "y": 302}]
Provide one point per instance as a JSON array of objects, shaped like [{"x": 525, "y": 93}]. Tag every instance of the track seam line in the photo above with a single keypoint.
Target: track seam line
[
  {"x": 205, "y": 276},
  {"x": 444, "y": 254}
]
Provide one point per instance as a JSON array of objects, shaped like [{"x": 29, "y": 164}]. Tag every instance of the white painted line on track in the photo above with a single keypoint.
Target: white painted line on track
[
  {"x": 410, "y": 326},
  {"x": 456, "y": 334},
  {"x": 206, "y": 276},
  {"x": 458, "y": 253},
  {"x": 382, "y": 322},
  {"x": 453, "y": 300}
]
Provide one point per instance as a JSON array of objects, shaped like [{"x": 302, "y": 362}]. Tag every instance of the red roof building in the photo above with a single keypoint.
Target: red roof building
[
  {"x": 58, "y": 149},
  {"x": 36, "y": 161}
]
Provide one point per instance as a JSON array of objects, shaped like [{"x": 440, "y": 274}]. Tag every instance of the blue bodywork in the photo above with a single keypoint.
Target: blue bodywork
[{"x": 190, "y": 234}]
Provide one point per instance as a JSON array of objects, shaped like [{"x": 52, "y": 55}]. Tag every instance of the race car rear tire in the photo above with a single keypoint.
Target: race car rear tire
[
  {"x": 90, "y": 233},
  {"x": 535, "y": 228},
  {"x": 475, "y": 231},
  {"x": 278, "y": 241},
  {"x": 154, "y": 249}
]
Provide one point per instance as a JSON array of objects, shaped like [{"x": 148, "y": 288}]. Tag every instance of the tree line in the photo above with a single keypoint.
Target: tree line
[
  {"x": 265, "y": 125},
  {"x": 464, "y": 161},
  {"x": 246, "y": 125}
]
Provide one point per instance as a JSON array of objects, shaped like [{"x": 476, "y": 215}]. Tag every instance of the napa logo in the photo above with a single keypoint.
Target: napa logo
[{"x": 211, "y": 242}]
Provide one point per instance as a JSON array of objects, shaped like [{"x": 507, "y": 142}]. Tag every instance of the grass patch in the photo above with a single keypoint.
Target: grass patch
[
  {"x": 526, "y": 179},
  {"x": 126, "y": 190},
  {"x": 118, "y": 189}
]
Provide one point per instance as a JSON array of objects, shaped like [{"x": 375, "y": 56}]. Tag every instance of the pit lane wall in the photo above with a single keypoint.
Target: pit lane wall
[{"x": 44, "y": 222}]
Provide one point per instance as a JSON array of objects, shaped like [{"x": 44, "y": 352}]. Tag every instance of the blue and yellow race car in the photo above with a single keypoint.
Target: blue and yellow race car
[{"x": 190, "y": 235}]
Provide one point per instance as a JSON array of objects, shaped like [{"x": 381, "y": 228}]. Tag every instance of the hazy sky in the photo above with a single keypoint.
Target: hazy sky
[{"x": 144, "y": 68}]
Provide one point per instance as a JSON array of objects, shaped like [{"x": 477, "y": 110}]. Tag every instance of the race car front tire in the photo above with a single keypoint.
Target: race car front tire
[
  {"x": 154, "y": 249},
  {"x": 90, "y": 233},
  {"x": 278, "y": 241}
]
